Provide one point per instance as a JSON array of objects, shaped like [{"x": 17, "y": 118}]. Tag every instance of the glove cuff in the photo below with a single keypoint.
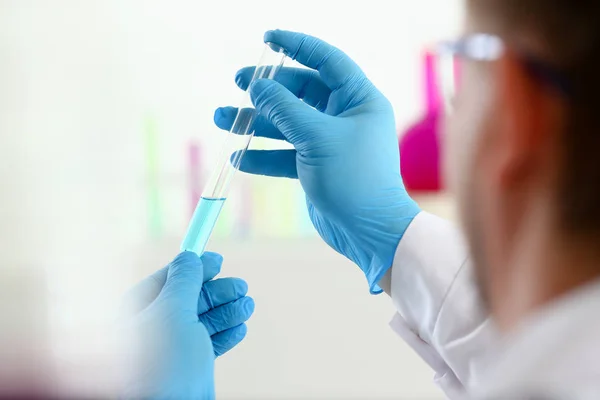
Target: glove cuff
[
  {"x": 374, "y": 274},
  {"x": 383, "y": 259}
]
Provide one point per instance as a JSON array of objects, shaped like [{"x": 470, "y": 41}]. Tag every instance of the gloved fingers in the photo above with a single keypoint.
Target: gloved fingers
[
  {"x": 212, "y": 265},
  {"x": 335, "y": 67},
  {"x": 184, "y": 283},
  {"x": 225, "y": 117},
  {"x": 227, "y": 316},
  {"x": 277, "y": 163},
  {"x": 306, "y": 84},
  {"x": 294, "y": 119},
  {"x": 145, "y": 292},
  {"x": 219, "y": 292},
  {"x": 228, "y": 339}
]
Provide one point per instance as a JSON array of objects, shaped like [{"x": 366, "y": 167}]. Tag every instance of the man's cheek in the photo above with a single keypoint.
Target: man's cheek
[
  {"x": 450, "y": 158},
  {"x": 456, "y": 153}
]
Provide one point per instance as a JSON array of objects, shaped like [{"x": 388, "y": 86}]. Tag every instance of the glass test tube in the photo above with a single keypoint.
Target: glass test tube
[{"x": 237, "y": 141}]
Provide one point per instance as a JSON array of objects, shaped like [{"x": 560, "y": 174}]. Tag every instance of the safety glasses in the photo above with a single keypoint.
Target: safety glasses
[{"x": 486, "y": 48}]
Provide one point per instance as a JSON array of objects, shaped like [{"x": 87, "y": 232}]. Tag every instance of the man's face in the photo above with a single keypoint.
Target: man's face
[{"x": 470, "y": 132}]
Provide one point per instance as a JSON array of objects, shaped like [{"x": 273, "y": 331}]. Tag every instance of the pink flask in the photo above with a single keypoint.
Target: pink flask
[{"x": 420, "y": 147}]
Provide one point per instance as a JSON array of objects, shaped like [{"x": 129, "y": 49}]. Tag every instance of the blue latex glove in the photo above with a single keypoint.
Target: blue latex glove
[
  {"x": 168, "y": 348},
  {"x": 346, "y": 150},
  {"x": 222, "y": 305}
]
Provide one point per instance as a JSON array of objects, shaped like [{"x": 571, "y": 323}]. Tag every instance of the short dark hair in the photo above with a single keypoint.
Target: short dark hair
[{"x": 567, "y": 33}]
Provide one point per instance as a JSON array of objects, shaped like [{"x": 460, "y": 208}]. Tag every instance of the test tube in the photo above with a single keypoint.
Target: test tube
[{"x": 237, "y": 141}]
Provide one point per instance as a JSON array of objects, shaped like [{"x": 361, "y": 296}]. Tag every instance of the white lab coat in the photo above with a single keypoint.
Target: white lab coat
[{"x": 556, "y": 353}]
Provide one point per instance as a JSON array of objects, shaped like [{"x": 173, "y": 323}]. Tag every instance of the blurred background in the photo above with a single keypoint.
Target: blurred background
[{"x": 106, "y": 136}]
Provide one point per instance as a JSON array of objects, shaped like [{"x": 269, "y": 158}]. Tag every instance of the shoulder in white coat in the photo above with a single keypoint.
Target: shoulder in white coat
[{"x": 555, "y": 354}]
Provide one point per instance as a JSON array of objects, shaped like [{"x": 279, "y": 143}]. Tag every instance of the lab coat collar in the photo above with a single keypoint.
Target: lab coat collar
[{"x": 556, "y": 349}]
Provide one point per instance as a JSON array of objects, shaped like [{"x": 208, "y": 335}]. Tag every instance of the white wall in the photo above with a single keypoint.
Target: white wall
[{"x": 77, "y": 79}]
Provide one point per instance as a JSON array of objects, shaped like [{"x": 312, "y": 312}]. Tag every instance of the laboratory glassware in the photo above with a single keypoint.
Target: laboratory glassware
[{"x": 236, "y": 143}]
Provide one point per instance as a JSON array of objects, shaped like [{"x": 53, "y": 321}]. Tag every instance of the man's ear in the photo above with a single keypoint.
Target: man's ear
[{"x": 525, "y": 120}]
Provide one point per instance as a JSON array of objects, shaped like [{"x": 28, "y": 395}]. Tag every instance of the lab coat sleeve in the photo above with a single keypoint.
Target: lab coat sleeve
[{"x": 439, "y": 310}]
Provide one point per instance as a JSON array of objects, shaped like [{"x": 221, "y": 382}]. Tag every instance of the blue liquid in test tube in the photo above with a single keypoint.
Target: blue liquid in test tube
[
  {"x": 236, "y": 143},
  {"x": 202, "y": 224}
]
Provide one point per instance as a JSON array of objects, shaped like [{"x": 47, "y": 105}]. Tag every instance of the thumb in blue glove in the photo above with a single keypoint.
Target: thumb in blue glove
[
  {"x": 168, "y": 348},
  {"x": 223, "y": 306},
  {"x": 345, "y": 150}
]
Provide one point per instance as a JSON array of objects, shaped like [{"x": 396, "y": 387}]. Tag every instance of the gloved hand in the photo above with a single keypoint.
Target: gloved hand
[
  {"x": 346, "y": 150},
  {"x": 168, "y": 348},
  {"x": 222, "y": 305}
]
